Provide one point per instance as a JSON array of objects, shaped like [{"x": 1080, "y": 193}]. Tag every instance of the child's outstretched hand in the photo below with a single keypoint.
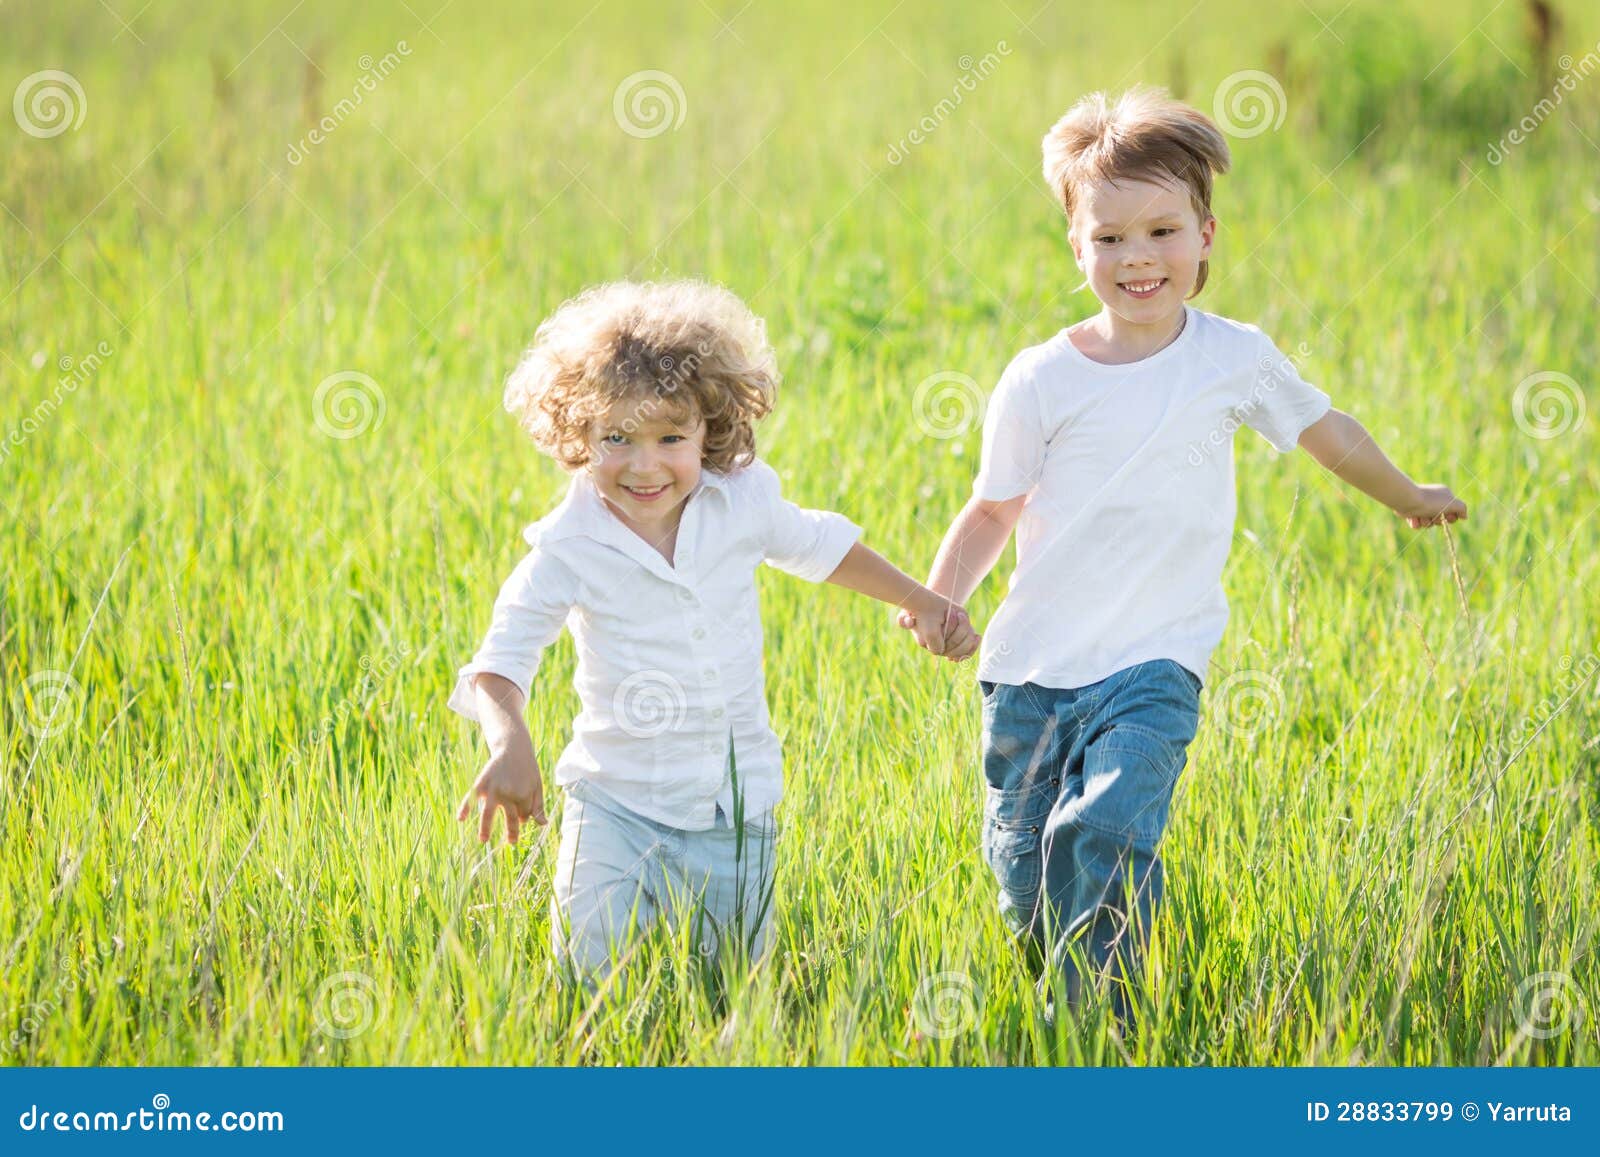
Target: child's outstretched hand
[
  {"x": 509, "y": 782},
  {"x": 1435, "y": 506}
]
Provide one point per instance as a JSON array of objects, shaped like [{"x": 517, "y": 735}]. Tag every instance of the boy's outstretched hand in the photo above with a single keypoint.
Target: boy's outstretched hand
[{"x": 1435, "y": 505}]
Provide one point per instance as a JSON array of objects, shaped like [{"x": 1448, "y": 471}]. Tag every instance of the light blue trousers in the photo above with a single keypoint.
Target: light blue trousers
[{"x": 617, "y": 873}]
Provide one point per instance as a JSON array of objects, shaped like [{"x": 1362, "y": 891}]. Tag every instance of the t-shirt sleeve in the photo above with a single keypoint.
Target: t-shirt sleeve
[
  {"x": 1280, "y": 403},
  {"x": 528, "y": 614},
  {"x": 809, "y": 544},
  {"x": 1013, "y": 438}
]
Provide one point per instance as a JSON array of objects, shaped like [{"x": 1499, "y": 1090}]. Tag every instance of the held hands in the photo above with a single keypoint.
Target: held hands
[
  {"x": 940, "y": 626},
  {"x": 1434, "y": 506},
  {"x": 509, "y": 781}
]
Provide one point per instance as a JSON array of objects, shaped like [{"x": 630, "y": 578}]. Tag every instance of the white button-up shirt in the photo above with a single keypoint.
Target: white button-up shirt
[{"x": 669, "y": 654}]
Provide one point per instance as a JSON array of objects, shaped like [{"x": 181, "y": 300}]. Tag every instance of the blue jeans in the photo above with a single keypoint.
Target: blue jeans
[{"x": 1078, "y": 783}]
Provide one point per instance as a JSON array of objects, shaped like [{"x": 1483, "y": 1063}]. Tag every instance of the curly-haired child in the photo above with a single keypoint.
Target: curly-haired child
[{"x": 649, "y": 394}]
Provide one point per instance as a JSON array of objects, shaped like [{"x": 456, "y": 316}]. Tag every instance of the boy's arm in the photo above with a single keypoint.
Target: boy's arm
[
  {"x": 939, "y": 626},
  {"x": 973, "y": 545},
  {"x": 1343, "y": 446}
]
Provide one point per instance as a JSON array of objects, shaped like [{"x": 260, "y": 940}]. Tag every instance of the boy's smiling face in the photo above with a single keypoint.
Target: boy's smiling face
[
  {"x": 1140, "y": 243},
  {"x": 645, "y": 459}
]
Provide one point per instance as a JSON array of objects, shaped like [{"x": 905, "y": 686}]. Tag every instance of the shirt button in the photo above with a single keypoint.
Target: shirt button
[
  {"x": 685, "y": 595},
  {"x": 711, "y": 674},
  {"x": 698, "y": 633},
  {"x": 716, "y": 713}
]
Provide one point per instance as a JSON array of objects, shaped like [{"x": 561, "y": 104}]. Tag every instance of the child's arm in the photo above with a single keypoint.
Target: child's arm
[
  {"x": 1342, "y": 445},
  {"x": 940, "y": 626},
  {"x": 972, "y": 546},
  {"x": 510, "y": 780}
]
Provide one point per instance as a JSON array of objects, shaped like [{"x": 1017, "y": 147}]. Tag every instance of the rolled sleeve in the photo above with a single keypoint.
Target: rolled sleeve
[
  {"x": 1282, "y": 403},
  {"x": 528, "y": 615},
  {"x": 809, "y": 544}
]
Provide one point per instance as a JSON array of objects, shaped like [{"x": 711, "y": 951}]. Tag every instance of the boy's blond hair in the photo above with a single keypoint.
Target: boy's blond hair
[
  {"x": 694, "y": 346},
  {"x": 1144, "y": 135}
]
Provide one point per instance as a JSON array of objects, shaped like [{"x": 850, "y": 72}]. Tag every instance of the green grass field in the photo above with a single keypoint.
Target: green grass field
[{"x": 231, "y": 607}]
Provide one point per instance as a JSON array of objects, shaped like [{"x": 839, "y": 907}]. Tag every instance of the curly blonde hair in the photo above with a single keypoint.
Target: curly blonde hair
[
  {"x": 1144, "y": 135},
  {"x": 695, "y": 346}
]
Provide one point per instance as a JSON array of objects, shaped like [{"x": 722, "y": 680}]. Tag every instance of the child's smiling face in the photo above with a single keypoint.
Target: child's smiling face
[
  {"x": 645, "y": 459},
  {"x": 1140, "y": 243}
]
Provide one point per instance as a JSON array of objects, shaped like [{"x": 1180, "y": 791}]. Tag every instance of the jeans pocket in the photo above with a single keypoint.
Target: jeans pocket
[{"x": 1016, "y": 858}]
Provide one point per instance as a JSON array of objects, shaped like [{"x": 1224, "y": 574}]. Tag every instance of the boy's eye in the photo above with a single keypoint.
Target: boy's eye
[
  {"x": 614, "y": 439},
  {"x": 673, "y": 438},
  {"x": 1107, "y": 239},
  {"x": 1165, "y": 230}
]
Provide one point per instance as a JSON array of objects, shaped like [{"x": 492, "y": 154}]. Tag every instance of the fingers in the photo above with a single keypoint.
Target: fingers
[{"x": 486, "y": 818}]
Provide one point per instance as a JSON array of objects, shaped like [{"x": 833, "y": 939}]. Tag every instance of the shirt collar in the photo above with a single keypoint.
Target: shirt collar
[{"x": 584, "y": 512}]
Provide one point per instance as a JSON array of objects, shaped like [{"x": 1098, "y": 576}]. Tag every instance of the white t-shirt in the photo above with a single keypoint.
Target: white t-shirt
[{"x": 1129, "y": 476}]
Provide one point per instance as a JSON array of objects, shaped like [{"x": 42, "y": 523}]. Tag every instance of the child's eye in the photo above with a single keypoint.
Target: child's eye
[
  {"x": 1165, "y": 230},
  {"x": 673, "y": 438},
  {"x": 614, "y": 439},
  {"x": 1107, "y": 239}
]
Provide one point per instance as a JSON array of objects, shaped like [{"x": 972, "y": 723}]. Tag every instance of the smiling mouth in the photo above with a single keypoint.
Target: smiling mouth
[
  {"x": 1143, "y": 289},
  {"x": 647, "y": 495}
]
